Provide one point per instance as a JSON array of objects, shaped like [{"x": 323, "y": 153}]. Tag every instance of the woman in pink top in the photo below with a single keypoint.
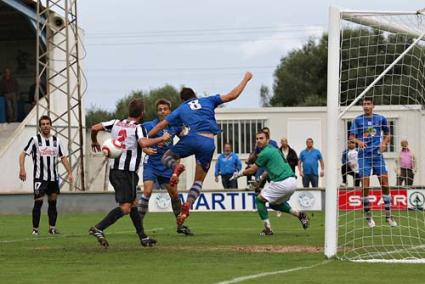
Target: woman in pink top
[{"x": 406, "y": 165}]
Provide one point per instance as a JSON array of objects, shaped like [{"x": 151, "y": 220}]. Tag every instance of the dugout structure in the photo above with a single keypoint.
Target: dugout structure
[{"x": 379, "y": 55}]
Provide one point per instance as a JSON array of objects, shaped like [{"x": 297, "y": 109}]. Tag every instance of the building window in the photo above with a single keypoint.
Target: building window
[
  {"x": 239, "y": 133},
  {"x": 392, "y": 123}
]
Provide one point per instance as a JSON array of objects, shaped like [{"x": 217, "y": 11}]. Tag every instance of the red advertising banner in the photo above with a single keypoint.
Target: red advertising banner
[{"x": 353, "y": 200}]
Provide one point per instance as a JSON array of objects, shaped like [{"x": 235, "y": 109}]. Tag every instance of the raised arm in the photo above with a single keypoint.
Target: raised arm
[
  {"x": 157, "y": 128},
  {"x": 148, "y": 142},
  {"x": 234, "y": 94}
]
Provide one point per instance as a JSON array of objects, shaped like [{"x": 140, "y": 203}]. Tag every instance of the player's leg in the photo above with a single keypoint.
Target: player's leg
[
  {"x": 194, "y": 192},
  {"x": 177, "y": 206},
  {"x": 39, "y": 192},
  {"x": 170, "y": 159},
  {"x": 278, "y": 194},
  {"x": 52, "y": 211},
  {"x": 119, "y": 182},
  {"x": 149, "y": 179},
  {"x": 204, "y": 150},
  {"x": 365, "y": 167},
  {"x": 131, "y": 208},
  {"x": 381, "y": 171},
  {"x": 260, "y": 202}
]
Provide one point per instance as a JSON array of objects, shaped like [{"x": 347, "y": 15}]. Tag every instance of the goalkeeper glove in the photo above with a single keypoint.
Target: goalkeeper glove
[{"x": 236, "y": 175}]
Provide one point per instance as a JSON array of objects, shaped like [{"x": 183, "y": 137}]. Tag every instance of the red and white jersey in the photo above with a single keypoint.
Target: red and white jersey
[
  {"x": 129, "y": 133},
  {"x": 45, "y": 153}
]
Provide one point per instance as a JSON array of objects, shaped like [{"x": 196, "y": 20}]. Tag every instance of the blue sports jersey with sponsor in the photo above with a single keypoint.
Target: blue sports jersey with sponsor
[
  {"x": 161, "y": 148},
  {"x": 369, "y": 129},
  {"x": 197, "y": 114}
]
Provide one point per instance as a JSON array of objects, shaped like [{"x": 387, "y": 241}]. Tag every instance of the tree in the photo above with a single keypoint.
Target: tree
[
  {"x": 264, "y": 96},
  {"x": 301, "y": 77},
  {"x": 302, "y": 74}
]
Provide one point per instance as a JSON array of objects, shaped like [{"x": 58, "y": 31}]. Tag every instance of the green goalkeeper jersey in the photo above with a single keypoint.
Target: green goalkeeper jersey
[{"x": 272, "y": 159}]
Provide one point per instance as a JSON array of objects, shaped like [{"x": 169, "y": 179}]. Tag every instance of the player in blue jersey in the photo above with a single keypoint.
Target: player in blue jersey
[
  {"x": 198, "y": 114},
  {"x": 154, "y": 172},
  {"x": 367, "y": 131}
]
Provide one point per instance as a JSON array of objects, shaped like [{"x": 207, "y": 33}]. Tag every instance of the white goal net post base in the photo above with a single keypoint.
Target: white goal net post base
[{"x": 366, "y": 61}]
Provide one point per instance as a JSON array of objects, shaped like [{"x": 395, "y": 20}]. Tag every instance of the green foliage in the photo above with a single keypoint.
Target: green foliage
[
  {"x": 95, "y": 115},
  {"x": 301, "y": 77},
  {"x": 300, "y": 74},
  {"x": 264, "y": 96}
]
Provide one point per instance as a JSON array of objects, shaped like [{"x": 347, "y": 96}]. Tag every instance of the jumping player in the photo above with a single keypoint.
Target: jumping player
[
  {"x": 154, "y": 171},
  {"x": 198, "y": 115}
]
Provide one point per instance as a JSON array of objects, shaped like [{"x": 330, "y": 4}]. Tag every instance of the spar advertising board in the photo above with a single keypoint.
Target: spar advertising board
[{"x": 401, "y": 198}]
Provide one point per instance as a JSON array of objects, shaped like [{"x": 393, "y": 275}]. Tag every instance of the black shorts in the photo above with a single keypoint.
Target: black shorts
[
  {"x": 125, "y": 184},
  {"x": 42, "y": 187}
]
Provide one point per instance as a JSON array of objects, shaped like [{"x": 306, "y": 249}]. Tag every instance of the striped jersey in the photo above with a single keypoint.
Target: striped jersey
[
  {"x": 45, "y": 153},
  {"x": 129, "y": 133}
]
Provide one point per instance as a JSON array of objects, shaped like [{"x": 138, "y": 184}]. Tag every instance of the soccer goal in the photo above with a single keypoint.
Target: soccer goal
[{"x": 379, "y": 55}]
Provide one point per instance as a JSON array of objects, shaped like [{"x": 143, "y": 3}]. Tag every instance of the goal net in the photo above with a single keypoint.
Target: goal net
[{"x": 377, "y": 55}]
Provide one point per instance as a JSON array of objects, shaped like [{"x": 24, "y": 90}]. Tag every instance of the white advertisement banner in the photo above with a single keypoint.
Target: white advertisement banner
[
  {"x": 233, "y": 201},
  {"x": 416, "y": 198}
]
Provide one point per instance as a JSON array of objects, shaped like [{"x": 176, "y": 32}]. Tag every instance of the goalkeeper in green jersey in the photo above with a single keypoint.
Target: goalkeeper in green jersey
[{"x": 281, "y": 186}]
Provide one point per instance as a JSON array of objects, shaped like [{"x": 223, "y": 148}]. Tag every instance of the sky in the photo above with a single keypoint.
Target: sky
[{"x": 203, "y": 44}]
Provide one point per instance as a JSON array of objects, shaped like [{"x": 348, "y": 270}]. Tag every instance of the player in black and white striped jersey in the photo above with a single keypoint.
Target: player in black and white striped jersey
[
  {"x": 123, "y": 170},
  {"x": 46, "y": 150}
]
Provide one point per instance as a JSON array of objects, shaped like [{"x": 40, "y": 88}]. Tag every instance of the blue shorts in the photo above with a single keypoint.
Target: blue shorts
[
  {"x": 160, "y": 177},
  {"x": 374, "y": 163},
  {"x": 202, "y": 147}
]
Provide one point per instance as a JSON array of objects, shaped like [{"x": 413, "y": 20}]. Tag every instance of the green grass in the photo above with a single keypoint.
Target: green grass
[{"x": 226, "y": 246}]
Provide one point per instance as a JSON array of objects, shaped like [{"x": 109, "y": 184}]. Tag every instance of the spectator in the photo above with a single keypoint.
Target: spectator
[
  {"x": 289, "y": 153},
  {"x": 350, "y": 164},
  {"x": 307, "y": 164},
  {"x": 227, "y": 164},
  {"x": 406, "y": 165},
  {"x": 9, "y": 89}
]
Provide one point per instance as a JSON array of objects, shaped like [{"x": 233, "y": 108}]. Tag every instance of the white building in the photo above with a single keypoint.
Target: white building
[{"x": 298, "y": 123}]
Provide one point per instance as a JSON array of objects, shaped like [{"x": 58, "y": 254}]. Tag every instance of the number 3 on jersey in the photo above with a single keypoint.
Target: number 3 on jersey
[
  {"x": 194, "y": 105},
  {"x": 122, "y": 136}
]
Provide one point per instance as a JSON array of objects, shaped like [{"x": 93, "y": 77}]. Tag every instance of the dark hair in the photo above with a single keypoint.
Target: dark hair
[
  {"x": 163, "y": 102},
  {"x": 136, "y": 108},
  {"x": 367, "y": 99},
  {"x": 187, "y": 94},
  {"x": 44, "y": 117},
  {"x": 265, "y": 129},
  {"x": 265, "y": 133}
]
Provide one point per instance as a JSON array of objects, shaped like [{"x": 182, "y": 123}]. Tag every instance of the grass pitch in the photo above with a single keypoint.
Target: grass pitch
[{"x": 226, "y": 247}]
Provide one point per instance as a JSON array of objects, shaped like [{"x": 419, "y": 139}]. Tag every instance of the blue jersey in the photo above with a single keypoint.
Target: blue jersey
[
  {"x": 197, "y": 114},
  {"x": 369, "y": 129},
  {"x": 161, "y": 148}
]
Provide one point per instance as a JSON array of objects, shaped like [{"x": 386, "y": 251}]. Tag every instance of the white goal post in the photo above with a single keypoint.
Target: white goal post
[{"x": 381, "y": 55}]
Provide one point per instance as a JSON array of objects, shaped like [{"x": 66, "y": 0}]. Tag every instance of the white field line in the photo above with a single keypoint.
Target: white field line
[
  {"x": 37, "y": 238},
  {"x": 265, "y": 274}
]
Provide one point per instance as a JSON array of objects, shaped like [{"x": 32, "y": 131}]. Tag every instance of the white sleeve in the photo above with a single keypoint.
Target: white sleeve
[{"x": 107, "y": 125}]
